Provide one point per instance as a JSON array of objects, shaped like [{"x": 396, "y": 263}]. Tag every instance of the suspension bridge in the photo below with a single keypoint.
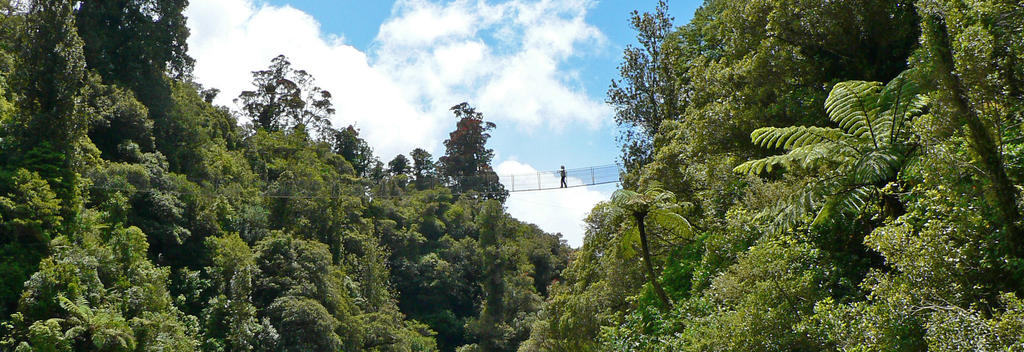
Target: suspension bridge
[
  {"x": 513, "y": 183},
  {"x": 551, "y": 180}
]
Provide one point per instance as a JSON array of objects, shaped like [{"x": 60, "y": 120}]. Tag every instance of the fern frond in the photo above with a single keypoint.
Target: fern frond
[
  {"x": 846, "y": 202},
  {"x": 673, "y": 222},
  {"x": 796, "y": 136},
  {"x": 901, "y": 91},
  {"x": 805, "y": 156},
  {"x": 759, "y": 166},
  {"x": 902, "y": 99},
  {"x": 629, "y": 200},
  {"x": 875, "y": 167},
  {"x": 793, "y": 210},
  {"x": 854, "y": 106}
]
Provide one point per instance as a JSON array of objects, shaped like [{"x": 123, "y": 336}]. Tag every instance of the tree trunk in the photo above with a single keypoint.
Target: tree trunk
[
  {"x": 1003, "y": 193},
  {"x": 645, "y": 249}
]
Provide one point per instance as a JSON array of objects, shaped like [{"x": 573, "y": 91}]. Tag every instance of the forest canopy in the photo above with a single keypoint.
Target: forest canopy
[
  {"x": 800, "y": 175},
  {"x": 809, "y": 176},
  {"x": 137, "y": 216}
]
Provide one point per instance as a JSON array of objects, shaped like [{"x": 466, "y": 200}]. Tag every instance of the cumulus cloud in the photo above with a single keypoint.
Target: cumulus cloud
[
  {"x": 507, "y": 58},
  {"x": 561, "y": 210},
  {"x": 232, "y": 38}
]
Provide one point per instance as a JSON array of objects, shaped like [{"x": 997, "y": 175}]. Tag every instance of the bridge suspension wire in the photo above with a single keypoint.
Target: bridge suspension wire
[
  {"x": 551, "y": 180},
  {"x": 513, "y": 183}
]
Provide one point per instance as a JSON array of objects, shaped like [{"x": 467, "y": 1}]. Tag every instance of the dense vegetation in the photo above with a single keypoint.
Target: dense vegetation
[
  {"x": 801, "y": 175},
  {"x": 809, "y": 175},
  {"x": 137, "y": 216}
]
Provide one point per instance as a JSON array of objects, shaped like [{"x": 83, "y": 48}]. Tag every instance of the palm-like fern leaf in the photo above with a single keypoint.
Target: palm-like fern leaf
[
  {"x": 843, "y": 202},
  {"x": 672, "y": 221},
  {"x": 788, "y": 213},
  {"x": 854, "y": 106},
  {"x": 875, "y": 167},
  {"x": 805, "y": 156},
  {"x": 629, "y": 200},
  {"x": 869, "y": 148},
  {"x": 902, "y": 99},
  {"x": 796, "y": 136}
]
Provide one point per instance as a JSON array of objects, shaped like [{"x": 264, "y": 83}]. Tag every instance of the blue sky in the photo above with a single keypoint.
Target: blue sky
[{"x": 538, "y": 68}]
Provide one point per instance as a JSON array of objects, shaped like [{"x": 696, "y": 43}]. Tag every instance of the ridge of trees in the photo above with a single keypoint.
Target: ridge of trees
[
  {"x": 829, "y": 210},
  {"x": 137, "y": 216},
  {"x": 801, "y": 175}
]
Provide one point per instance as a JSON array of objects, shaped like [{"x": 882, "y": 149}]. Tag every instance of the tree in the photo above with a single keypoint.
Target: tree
[
  {"x": 98, "y": 290},
  {"x": 29, "y": 219},
  {"x": 647, "y": 92},
  {"x": 661, "y": 209},
  {"x": 467, "y": 160},
  {"x": 423, "y": 168},
  {"x": 399, "y": 165},
  {"x": 301, "y": 288},
  {"x": 355, "y": 150},
  {"x": 50, "y": 128},
  {"x": 142, "y": 45},
  {"x": 971, "y": 56},
  {"x": 490, "y": 324},
  {"x": 132, "y": 41},
  {"x": 286, "y": 98}
]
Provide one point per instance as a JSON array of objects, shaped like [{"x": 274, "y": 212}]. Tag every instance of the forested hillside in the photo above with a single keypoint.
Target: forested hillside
[
  {"x": 809, "y": 175},
  {"x": 800, "y": 175},
  {"x": 137, "y": 216}
]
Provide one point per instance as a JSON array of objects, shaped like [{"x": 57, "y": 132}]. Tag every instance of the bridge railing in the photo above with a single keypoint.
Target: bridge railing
[{"x": 545, "y": 180}]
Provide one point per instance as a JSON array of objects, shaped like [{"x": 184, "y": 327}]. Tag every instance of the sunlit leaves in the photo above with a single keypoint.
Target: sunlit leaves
[{"x": 868, "y": 150}]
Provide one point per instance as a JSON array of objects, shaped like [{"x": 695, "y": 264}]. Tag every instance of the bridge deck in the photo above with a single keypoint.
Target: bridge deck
[{"x": 549, "y": 180}]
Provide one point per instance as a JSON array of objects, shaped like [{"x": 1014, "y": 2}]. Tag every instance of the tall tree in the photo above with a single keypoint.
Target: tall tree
[
  {"x": 647, "y": 92},
  {"x": 142, "y": 45},
  {"x": 399, "y": 165},
  {"x": 355, "y": 150},
  {"x": 467, "y": 160},
  {"x": 972, "y": 55},
  {"x": 132, "y": 41},
  {"x": 658, "y": 207},
  {"x": 489, "y": 325},
  {"x": 287, "y": 98},
  {"x": 423, "y": 168},
  {"x": 51, "y": 126}
]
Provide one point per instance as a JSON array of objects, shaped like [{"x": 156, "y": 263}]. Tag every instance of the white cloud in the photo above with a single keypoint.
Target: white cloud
[
  {"x": 232, "y": 38},
  {"x": 559, "y": 210},
  {"x": 507, "y": 58}
]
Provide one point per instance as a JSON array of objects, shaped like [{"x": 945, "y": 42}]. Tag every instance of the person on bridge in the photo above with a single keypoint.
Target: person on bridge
[{"x": 562, "y": 173}]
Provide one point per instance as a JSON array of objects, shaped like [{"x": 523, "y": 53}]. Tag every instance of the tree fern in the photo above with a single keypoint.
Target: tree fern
[
  {"x": 867, "y": 151},
  {"x": 661, "y": 209}
]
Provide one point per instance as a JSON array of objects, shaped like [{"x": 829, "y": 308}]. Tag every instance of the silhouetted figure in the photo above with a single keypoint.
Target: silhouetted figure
[{"x": 562, "y": 173}]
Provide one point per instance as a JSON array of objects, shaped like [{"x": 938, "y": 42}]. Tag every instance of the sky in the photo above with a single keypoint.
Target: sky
[{"x": 539, "y": 69}]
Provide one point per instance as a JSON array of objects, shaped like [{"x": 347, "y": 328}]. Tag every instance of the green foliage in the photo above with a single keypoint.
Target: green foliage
[
  {"x": 50, "y": 124},
  {"x": 128, "y": 41},
  {"x": 29, "y": 218},
  {"x": 647, "y": 93},
  {"x": 867, "y": 152},
  {"x": 136, "y": 216},
  {"x": 971, "y": 58},
  {"x": 286, "y": 98},
  {"x": 466, "y": 163},
  {"x": 660, "y": 208},
  {"x": 424, "y": 170},
  {"x": 891, "y": 231},
  {"x": 98, "y": 291}
]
